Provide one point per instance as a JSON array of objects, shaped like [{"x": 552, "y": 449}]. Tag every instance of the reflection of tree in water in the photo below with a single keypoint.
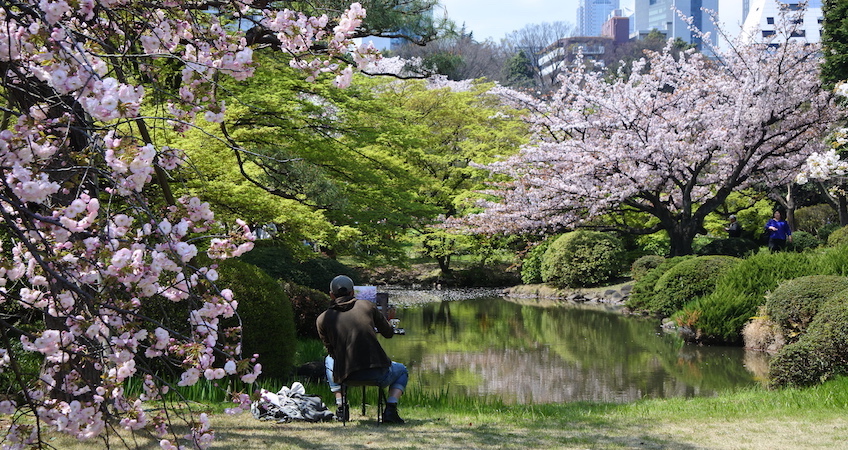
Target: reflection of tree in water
[
  {"x": 438, "y": 315},
  {"x": 531, "y": 354}
]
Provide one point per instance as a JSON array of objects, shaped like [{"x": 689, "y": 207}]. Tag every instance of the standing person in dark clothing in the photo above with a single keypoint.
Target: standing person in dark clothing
[
  {"x": 348, "y": 329},
  {"x": 778, "y": 232},
  {"x": 733, "y": 229}
]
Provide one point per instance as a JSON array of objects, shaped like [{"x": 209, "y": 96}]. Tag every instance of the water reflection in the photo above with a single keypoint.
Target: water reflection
[{"x": 530, "y": 354}]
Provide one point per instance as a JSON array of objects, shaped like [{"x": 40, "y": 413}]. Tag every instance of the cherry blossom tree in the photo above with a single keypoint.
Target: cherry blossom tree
[
  {"x": 671, "y": 141},
  {"x": 89, "y": 241}
]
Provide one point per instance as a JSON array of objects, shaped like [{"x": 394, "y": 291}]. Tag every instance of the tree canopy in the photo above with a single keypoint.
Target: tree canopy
[{"x": 672, "y": 141}]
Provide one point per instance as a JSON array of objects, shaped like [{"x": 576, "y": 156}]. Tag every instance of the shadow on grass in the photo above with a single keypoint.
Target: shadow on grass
[{"x": 527, "y": 429}]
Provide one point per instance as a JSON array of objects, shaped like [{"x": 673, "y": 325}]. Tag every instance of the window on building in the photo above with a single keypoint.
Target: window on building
[
  {"x": 652, "y": 2},
  {"x": 767, "y": 33},
  {"x": 770, "y": 20},
  {"x": 798, "y": 33}
]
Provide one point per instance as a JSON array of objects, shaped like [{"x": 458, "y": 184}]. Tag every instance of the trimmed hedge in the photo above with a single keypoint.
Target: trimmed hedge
[
  {"x": 794, "y": 303},
  {"x": 801, "y": 241},
  {"x": 531, "y": 266},
  {"x": 307, "y": 305},
  {"x": 736, "y": 246},
  {"x": 643, "y": 265},
  {"x": 688, "y": 280},
  {"x": 643, "y": 289},
  {"x": 266, "y": 315},
  {"x": 582, "y": 258},
  {"x": 741, "y": 290},
  {"x": 820, "y": 353},
  {"x": 838, "y": 238}
]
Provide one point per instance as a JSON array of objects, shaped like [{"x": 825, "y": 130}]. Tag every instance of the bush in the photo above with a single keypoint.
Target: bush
[
  {"x": 794, "y": 303},
  {"x": 531, "y": 266},
  {"x": 643, "y": 289},
  {"x": 307, "y": 304},
  {"x": 318, "y": 272},
  {"x": 278, "y": 261},
  {"x": 643, "y": 265},
  {"x": 824, "y": 232},
  {"x": 820, "y": 353},
  {"x": 838, "y": 238},
  {"x": 266, "y": 315},
  {"x": 741, "y": 290},
  {"x": 811, "y": 218},
  {"x": 737, "y": 247},
  {"x": 801, "y": 240},
  {"x": 582, "y": 258},
  {"x": 688, "y": 280}
]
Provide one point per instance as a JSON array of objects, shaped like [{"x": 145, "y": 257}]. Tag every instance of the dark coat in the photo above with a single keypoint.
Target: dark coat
[{"x": 347, "y": 329}]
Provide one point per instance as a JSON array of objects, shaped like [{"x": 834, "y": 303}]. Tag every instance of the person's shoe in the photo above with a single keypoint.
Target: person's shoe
[
  {"x": 343, "y": 413},
  {"x": 390, "y": 414}
]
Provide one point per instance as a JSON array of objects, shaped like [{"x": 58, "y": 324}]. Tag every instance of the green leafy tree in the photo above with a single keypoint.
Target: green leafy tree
[{"x": 834, "y": 40}]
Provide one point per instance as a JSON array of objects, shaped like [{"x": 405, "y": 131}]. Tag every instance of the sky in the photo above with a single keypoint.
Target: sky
[{"x": 496, "y": 18}]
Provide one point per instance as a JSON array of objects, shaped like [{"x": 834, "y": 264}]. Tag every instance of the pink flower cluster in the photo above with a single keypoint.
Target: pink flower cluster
[
  {"x": 84, "y": 243},
  {"x": 298, "y": 33}
]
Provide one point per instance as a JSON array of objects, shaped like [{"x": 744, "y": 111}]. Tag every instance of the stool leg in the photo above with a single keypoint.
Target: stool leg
[
  {"x": 363, "y": 400},
  {"x": 344, "y": 403},
  {"x": 381, "y": 403}
]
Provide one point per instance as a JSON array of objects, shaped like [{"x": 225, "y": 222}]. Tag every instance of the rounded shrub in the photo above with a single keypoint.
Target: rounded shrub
[
  {"x": 266, "y": 315},
  {"x": 531, "y": 266},
  {"x": 812, "y": 218},
  {"x": 582, "y": 258},
  {"x": 643, "y": 265},
  {"x": 820, "y": 353},
  {"x": 741, "y": 291},
  {"x": 838, "y": 238},
  {"x": 794, "y": 303},
  {"x": 801, "y": 240},
  {"x": 643, "y": 289},
  {"x": 736, "y": 246},
  {"x": 688, "y": 280},
  {"x": 307, "y": 304},
  {"x": 824, "y": 232}
]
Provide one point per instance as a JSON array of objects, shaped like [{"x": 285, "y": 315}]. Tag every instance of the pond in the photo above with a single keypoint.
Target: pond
[{"x": 524, "y": 354}]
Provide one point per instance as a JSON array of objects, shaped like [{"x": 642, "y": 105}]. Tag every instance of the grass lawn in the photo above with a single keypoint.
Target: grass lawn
[{"x": 812, "y": 418}]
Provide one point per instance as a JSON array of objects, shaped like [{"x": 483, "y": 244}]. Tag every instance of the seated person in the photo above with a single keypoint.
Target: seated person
[{"x": 347, "y": 329}]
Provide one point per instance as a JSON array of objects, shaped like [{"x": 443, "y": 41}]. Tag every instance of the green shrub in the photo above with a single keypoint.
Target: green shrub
[
  {"x": 307, "y": 304},
  {"x": 794, "y": 303},
  {"x": 688, "y": 280},
  {"x": 838, "y": 238},
  {"x": 824, "y": 232},
  {"x": 831, "y": 261},
  {"x": 801, "y": 240},
  {"x": 582, "y": 258},
  {"x": 643, "y": 265},
  {"x": 531, "y": 266},
  {"x": 654, "y": 244},
  {"x": 820, "y": 353},
  {"x": 266, "y": 315},
  {"x": 741, "y": 290},
  {"x": 811, "y": 218},
  {"x": 277, "y": 260},
  {"x": 318, "y": 272},
  {"x": 643, "y": 289},
  {"x": 737, "y": 247}
]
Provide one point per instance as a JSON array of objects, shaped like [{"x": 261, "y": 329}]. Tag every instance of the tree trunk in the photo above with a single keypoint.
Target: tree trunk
[{"x": 681, "y": 235}]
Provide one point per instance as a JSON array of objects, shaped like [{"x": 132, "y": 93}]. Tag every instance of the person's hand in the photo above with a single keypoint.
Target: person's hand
[{"x": 772, "y": 228}]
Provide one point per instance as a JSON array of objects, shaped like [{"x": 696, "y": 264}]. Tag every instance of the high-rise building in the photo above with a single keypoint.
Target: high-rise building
[
  {"x": 591, "y": 15},
  {"x": 662, "y": 15},
  {"x": 764, "y": 16}
]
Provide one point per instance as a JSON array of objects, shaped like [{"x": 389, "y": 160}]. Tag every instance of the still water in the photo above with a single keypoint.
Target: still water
[{"x": 531, "y": 354}]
